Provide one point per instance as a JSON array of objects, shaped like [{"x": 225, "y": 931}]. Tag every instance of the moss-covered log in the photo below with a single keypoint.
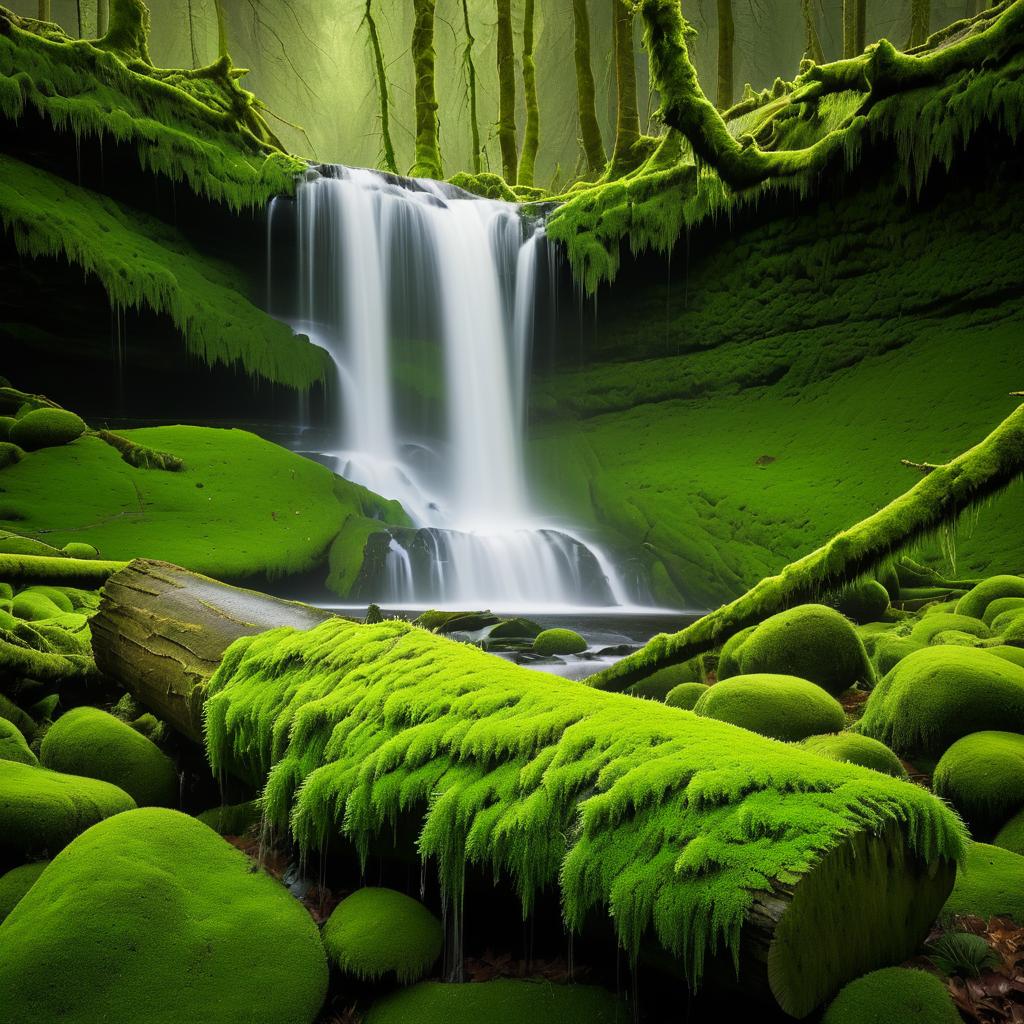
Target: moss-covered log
[
  {"x": 427, "y": 163},
  {"x": 52, "y": 569},
  {"x": 934, "y": 502}
]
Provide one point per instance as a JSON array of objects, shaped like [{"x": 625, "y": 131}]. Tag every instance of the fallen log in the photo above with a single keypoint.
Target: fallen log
[
  {"x": 53, "y": 569},
  {"x": 716, "y": 846}
]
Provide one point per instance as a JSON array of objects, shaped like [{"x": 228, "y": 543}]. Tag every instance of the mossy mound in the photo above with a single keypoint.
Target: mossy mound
[
  {"x": 976, "y": 601},
  {"x": 13, "y": 745},
  {"x": 151, "y": 917},
  {"x": 10, "y": 454},
  {"x": 658, "y": 685},
  {"x": 1011, "y": 835},
  {"x": 377, "y": 933},
  {"x": 857, "y": 749},
  {"x": 811, "y": 642},
  {"x": 989, "y": 884},
  {"x": 78, "y": 549},
  {"x": 46, "y": 428},
  {"x": 559, "y": 641},
  {"x": 888, "y": 651},
  {"x": 930, "y": 626},
  {"x": 866, "y": 601},
  {"x": 6, "y": 422},
  {"x": 936, "y": 695},
  {"x": 686, "y": 695},
  {"x": 1012, "y": 654},
  {"x": 499, "y": 1002},
  {"x": 982, "y": 776},
  {"x": 893, "y": 995},
  {"x": 58, "y": 595},
  {"x": 89, "y": 742},
  {"x": 16, "y": 883},
  {"x": 233, "y": 819},
  {"x": 33, "y": 606},
  {"x": 780, "y": 706},
  {"x": 42, "y": 811},
  {"x": 999, "y": 606}
]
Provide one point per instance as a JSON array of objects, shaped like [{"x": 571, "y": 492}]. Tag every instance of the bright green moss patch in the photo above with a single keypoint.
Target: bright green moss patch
[
  {"x": 893, "y": 995},
  {"x": 42, "y": 811},
  {"x": 857, "y": 749},
  {"x": 685, "y": 695},
  {"x": 9, "y": 454},
  {"x": 15, "y": 883},
  {"x": 989, "y": 884},
  {"x": 938, "y": 694},
  {"x": 780, "y": 706},
  {"x": 32, "y": 606},
  {"x": 13, "y": 746},
  {"x": 499, "y": 1002},
  {"x": 46, "y": 428},
  {"x": 660, "y": 817},
  {"x": 931, "y": 626},
  {"x": 376, "y": 933},
  {"x": 865, "y": 601},
  {"x": 889, "y": 651},
  {"x": 982, "y": 776},
  {"x": 976, "y": 601},
  {"x": 1011, "y": 835},
  {"x": 183, "y": 897},
  {"x": 559, "y": 641},
  {"x": 1000, "y": 605},
  {"x": 233, "y": 819},
  {"x": 87, "y": 741}
]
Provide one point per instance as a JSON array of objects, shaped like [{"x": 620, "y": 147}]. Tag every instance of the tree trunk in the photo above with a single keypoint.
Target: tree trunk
[
  {"x": 920, "y": 22},
  {"x": 102, "y": 18},
  {"x": 590, "y": 130},
  {"x": 382, "y": 91},
  {"x": 507, "y": 93},
  {"x": 862, "y": 25},
  {"x": 222, "y": 29},
  {"x": 726, "y": 36},
  {"x": 428, "y": 148},
  {"x": 812, "y": 41},
  {"x": 45, "y": 10},
  {"x": 471, "y": 87},
  {"x": 531, "y": 138},
  {"x": 627, "y": 117},
  {"x": 852, "y": 16}
]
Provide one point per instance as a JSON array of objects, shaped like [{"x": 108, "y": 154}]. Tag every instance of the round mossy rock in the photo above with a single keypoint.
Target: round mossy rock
[
  {"x": 686, "y": 695},
  {"x": 377, "y": 933},
  {"x": 893, "y": 995},
  {"x": 31, "y": 606},
  {"x": 931, "y": 626},
  {"x": 780, "y": 706},
  {"x": 79, "y": 549},
  {"x": 658, "y": 685},
  {"x": 999, "y": 606},
  {"x": 810, "y": 642},
  {"x": 16, "y": 883},
  {"x": 42, "y": 811},
  {"x": 1011, "y": 835},
  {"x": 233, "y": 819},
  {"x": 6, "y": 423},
  {"x": 989, "y": 884},
  {"x": 866, "y": 601},
  {"x": 13, "y": 745},
  {"x": 499, "y": 1002},
  {"x": 56, "y": 594},
  {"x": 728, "y": 662},
  {"x": 976, "y": 601},
  {"x": 890, "y": 650},
  {"x": 46, "y": 428},
  {"x": 982, "y": 776},
  {"x": 857, "y": 749},
  {"x": 10, "y": 454},
  {"x": 87, "y": 741},
  {"x": 151, "y": 917},
  {"x": 558, "y": 641}
]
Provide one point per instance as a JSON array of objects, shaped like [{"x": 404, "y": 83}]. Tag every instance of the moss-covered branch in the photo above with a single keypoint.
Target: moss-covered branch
[
  {"x": 381, "y": 75},
  {"x": 427, "y": 162},
  {"x": 68, "y": 572},
  {"x": 467, "y": 59},
  {"x": 935, "y": 501}
]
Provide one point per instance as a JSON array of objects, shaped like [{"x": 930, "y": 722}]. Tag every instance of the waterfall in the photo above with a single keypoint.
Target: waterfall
[{"x": 416, "y": 288}]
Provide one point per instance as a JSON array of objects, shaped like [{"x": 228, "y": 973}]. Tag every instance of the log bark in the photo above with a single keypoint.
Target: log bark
[
  {"x": 428, "y": 145},
  {"x": 590, "y": 131},
  {"x": 507, "y": 93},
  {"x": 161, "y": 632}
]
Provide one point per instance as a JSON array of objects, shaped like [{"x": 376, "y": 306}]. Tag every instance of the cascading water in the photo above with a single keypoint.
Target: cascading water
[{"x": 382, "y": 260}]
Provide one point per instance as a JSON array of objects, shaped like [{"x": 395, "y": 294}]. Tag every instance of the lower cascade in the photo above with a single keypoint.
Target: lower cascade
[{"x": 426, "y": 297}]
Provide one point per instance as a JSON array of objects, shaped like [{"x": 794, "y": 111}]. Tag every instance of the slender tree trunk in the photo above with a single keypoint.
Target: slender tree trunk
[
  {"x": 471, "y": 83},
  {"x": 192, "y": 36},
  {"x": 812, "y": 41},
  {"x": 726, "y": 36},
  {"x": 428, "y": 147},
  {"x": 590, "y": 130},
  {"x": 222, "y": 29},
  {"x": 507, "y": 93},
  {"x": 531, "y": 139},
  {"x": 627, "y": 119},
  {"x": 45, "y": 10},
  {"x": 854, "y": 13},
  {"x": 920, "y": 22},
  {"x": 102, "y": 18},
  {"x": 382, "y": 91},
  {"x": 862, "y": 25}
]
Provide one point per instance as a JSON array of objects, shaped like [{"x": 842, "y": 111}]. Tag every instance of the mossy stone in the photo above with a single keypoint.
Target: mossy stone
[
  {"x": 893, "y": 995},
  {"x": 56, "y": 594},
  {"x": 686, "y": 695},
  {"x": 976, "y": 601},
  {"x": 13, "y": 745},
  {"x": 6, "y": 422},
  {"x": 10, "y": 454},
  {"x": 1011, "y": 835},
  {"x": 559, "y": 641},
  {"x": 79, "y": 549},
  {"x": 377, "y": 933},
  {"x": 153, "y": 918},
  {"x": 32, "y": 606},
  {"x": 931, "y": 626},
  {"x": 989, "y": 884},
  {"x": 999, "y": 605},
  {"x": 46, "y": 428},
  {"x": 658, "y": 685},
  {"x": 780, "y": 706},
  {"x": 857, "y": 749},
  {"x": 87, "y": 741},
  {"x": 233, "y": 819},
  {"x": 1010, "y": 653},
  {"x": 16, "y": 883},
  {"x": 890, "y": 650},
  {"x": 865, "y": 601},
  {"x": 728, "y": 660}
]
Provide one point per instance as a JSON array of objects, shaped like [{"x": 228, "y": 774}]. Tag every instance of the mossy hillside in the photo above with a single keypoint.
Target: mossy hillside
[
  {"x": 141, "y": 261},
  {"x": 670, "y": 821},
  {"x": 121, "y": 910},
  {"x": 893, "y": 995},
  {"x": 89, "y": 742},
  {"x": 15, "y": 883},
  {"x": 990, "y": 883},
  {"x": 1011, "y": 835},
  {"x": 241, "y": 508},
  {"x": 377, "y": 933},
  {"x": 857, "y": 749}
]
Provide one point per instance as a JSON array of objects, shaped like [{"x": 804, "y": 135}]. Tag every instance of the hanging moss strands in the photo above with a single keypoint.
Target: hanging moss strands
[
  {"x": 673, "y": 823},
  {"x": 427, "y": 163}
]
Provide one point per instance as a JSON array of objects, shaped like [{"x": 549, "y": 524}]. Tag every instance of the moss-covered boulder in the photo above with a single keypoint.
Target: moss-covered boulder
[
  {"x": 811, "y": 642},
  {"x": 989, "y": 884},
  {"x": 1008, "y": 652},
  {"x": 982, "y": 776},
  {"x": 42, "y": 811},
  {"x": 499, "y": 1002},
  {"x": 1001, "y": 605},
  {"x": 380, "y": 933},
  {"x": 866, "y": 601},
  {"x": 686, "y": 695},
  {"x": 1011, "y": 835},
  {"x": 13, "y": 745},
  {"x": 931, "y": 626},
  {"x": 976, "y": 601},
  {"x": 33, "y": 606},
  {"x": 16, "y": 883},
  {"x": 857, "y": 749},
  {"x": 936, "y": 695},
  {"x": 46, "y": 428},
  {"x": 893, "y": 995},
  {"x": 90, "y": 742},
  {"x": 79, "y": 549},
  {"x": 6, "y": 422},
  {"x": 658, "y": 685},
  {"x": 782, "y": 707},
  {"x": 888, "y": 651},
  {"x": 10, "y": 454},
  {"x": 558, "y": 641},
  {"x": 151, "y": 917},
  {"x": 233, "y": 819}
]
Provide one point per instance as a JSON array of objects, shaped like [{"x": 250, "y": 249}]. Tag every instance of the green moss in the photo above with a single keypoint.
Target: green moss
[
  {"x": 10, "y": 454},
  {"x": 377, "y": 933},
  {"x": 990, "y": 883},
  {"x": 809, "y": 641},
  {"x": 89, "y": 742},
  {"x": 15, "y": 883},
  {"x": 234, "y": 819},
  {"x": 685, "y": 695},
  {"x": 559, "y": 641},
  {"x": 42, "y": 811},
  {"x": 186, "y": 898},
  {"x": 6, "y": 422},
  {"x": 976, "y": 601},
  {"x": 931, "y": 626},
  {"x": 499, "y": 1002},
  {"x": 936, "y": 695},
  {"x": 78, "y": 549},
  {"x": 1011, "y": 835},
  {"x": 487, "y": 185},
  {"x": 982, "y": 776},
  {"x": 999, "y": 606},
  {"x": 46, "y": 428},
  {"x": 13, "y": 745},
  {"x": 1015, "y": 655},
  {"x": 865, "y": 601},
  {"x": 889, "y": 651},
  {"x": 780, "y": 706},
  {"x": 857, "y": 749},
  {"x": 661, "y": 683},
  {"x": 32, "y": 606},
  {"x": 893, "y": 995}
]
